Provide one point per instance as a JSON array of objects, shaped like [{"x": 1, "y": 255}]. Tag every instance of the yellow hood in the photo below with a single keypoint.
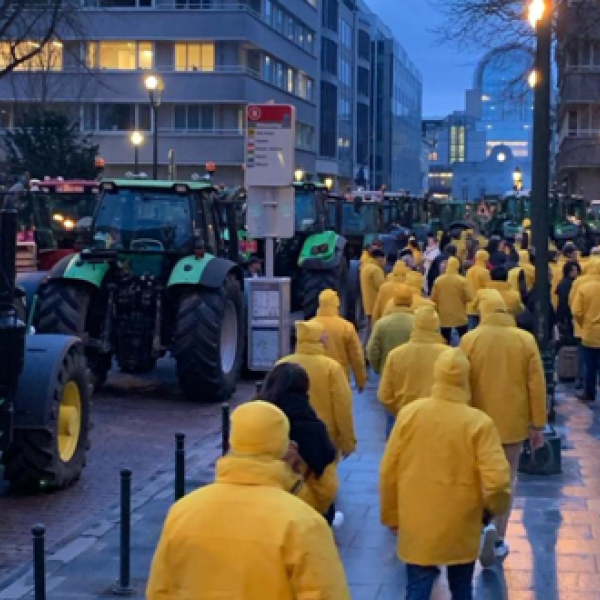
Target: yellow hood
[
  {"x": 452, "y": 266},
  {"x": 398, "y": 274},
  {"x": 309, "y": 331},
  {"x": 526, "y": 223},
  {"x": 451, "y": 375},
  {"x": 524, "y": 258},
  {"x": 414, "y": 280},
  {"x": 427, "y": 319},
  {"x": 491, "y": 302},
  {"x": 329, "y": 303},
  {"x": 481, "y": 258},
  {"x": 593, "y": 267},
  {"x": 403, "y": 295}
]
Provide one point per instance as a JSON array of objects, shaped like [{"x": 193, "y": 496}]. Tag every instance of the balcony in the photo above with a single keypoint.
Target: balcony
[
  {"x": 579, "y": 152},
  {"x": 580, "y": 86}
]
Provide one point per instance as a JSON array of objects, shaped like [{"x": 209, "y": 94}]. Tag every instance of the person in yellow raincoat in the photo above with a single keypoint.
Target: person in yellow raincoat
[
  {"x": 393, "y": 330},
  {"x": 508, "y": 384},
  {"x": 527, "y": 268},
  {"x": 417, "y": 255},
  {"x": 442, "y": 469},
  {"x": 343, "y": 344},
  {"x": 478, "y": 276},
  {"x": 415, "y": 281},
  {"x": 330, "y": 394},
  {"x": 451, "y": 293},
  {"x": 386, "y": 291},
  {"x": 372, "y": 277},
  {"x": 246, "y": 535}
]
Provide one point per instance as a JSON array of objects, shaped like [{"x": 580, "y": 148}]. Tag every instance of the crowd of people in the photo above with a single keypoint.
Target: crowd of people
[{"x": 459, "y": 375}]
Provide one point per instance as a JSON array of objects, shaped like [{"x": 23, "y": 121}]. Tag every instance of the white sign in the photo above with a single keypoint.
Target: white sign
[
  {"x": 270, "y": 145},
  {"x": 270, "y": 212}
]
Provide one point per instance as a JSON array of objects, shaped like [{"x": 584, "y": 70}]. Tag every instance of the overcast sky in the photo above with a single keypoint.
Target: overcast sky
[{"x": 446, "y": 73}]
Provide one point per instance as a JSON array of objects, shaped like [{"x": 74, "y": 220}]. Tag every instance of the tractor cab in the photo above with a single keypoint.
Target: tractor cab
[
  {"x": 568, "y": 214},
  {"x": 309, "y": 206},
  {"x": 448, "y": 215}
]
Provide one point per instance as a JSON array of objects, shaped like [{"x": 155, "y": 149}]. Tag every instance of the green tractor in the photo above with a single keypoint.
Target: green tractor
[
  {"x": 153, "y": 279},
  {"x": 45, "y": 393},
  {"x": 568, "y": 214},
  {"x": 448, "y": 216},
  {"x": 513, "y": 209}
]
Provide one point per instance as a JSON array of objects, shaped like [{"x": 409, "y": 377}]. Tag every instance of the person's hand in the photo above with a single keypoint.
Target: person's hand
[
  {"x": 293, "y": 459},
  {"x": 394, "y": 531},
  {"x": 536, "y": 439}
]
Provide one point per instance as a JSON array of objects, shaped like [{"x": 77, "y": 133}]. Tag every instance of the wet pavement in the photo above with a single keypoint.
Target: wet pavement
[{"x": 554, "y": 531}]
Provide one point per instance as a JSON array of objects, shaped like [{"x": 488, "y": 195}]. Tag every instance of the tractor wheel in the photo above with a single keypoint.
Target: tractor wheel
[
  {"x": 65, "y": 309},
  {"x": 53, "y": 457},
  {"x": 208, "y": 343},
  {"x": 317, "y": 281}
]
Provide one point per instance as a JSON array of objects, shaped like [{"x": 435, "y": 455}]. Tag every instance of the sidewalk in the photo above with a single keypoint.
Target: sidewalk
[{"x": 554, "y": 533}]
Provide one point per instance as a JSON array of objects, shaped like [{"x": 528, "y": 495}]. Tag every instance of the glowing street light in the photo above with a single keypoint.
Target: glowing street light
[
  {"x": 532, "y": 79},
  {"x": 155, "y": 86},
  {"x": 137, "y": 139},
  {"x": 536, "y": 12}
]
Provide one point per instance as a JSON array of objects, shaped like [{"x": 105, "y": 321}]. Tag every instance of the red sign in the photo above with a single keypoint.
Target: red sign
[{"x": 249, "y": 246}]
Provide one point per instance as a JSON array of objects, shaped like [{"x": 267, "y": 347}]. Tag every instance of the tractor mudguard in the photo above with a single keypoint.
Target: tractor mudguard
[
  {"x": 459, "y": 225},
  {"x": 209, "y": 271},
  {"x": 72, "y": 267},
  {"x": 44, "y": 355},
  {"x": 30, "y": 283},
  {"x": 322, "y": 251}
]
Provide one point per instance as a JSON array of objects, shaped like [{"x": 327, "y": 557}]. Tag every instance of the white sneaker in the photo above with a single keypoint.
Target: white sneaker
[
  {"x": 338, "y": 520},
  {"x": 501, "y": 549},
  {"x": 487, "y": 554}
]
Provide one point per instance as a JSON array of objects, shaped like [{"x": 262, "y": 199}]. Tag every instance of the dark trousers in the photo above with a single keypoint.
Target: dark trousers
[
  {"x": 473, "y": 321},
  {"x": 592, "y": 367},
  {"x": 447, "y": 332},
  {"x": 420, "y": 581}
]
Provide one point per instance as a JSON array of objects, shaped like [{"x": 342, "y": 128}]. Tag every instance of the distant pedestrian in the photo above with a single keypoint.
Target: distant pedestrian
[
  {"x": 564, "y": 317},
  {"x": 451, "y": 293},
  {"x": 246, "y": 536},
  {"x": 329, "y": 392},
  {"x": 415, "y": 281},
  {"x": 438, "y": 267},
  {"x": 391, "y": 331},
  {"x": 508, "y": 384},
  {"x": 386, "y": 291},
  {"x": 512, "y": 299},
  {"x": 253, "y": 268},
  {"x": 343, "y": 344},
  {"x": 527, "y": 268},
  {"x": 442, "y": 469},
  {"x": 478, "y": 277},
  {"x": 372, "y": 277}
]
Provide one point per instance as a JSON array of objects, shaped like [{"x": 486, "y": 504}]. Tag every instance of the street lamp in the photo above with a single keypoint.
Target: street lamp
[
  {"x": 329, "y": 183},
  {"x": 517, "y": 180},
  {"x": 155, "y": 86},
  {"x": 137, "y": 139},
  {"x": 298, "y": 174}
]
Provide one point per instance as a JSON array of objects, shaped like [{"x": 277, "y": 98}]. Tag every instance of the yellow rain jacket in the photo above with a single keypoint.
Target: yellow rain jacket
[
  {"x": 246, "y": 536},
  {"x": 452, "y": 293},
  {"x": 579, "y": 282},
  {"x": 478, "y": 276},
  {"x": 507, "y": 376},
  {"x": 526, "y": 266},
  {"x": 442, "y": 466},
  {"x": 372, "y": 278},
  {"x": 461, "y": 247},
  {"x": 386, "y": 291},
  {"x": 391, "y": 331},
  {"x": 343, "y": 344},
  {"x": 414, "y": 280},
  {"x": 585, "y": 306},
  {"x": 512, "y": 299},
  {"x": 330, "y": 394},
  {"x": 408, "y": 372}
]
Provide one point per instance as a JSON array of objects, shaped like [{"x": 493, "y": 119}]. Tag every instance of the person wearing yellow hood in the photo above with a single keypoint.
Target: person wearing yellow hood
[
  {"x": 585, "y": 306},
  {"x": 528, "y": 270},
  {"x": 372, "y": 277},
  {"x": 512, "y": 299},
  {"x": 329, "y": 393},
  {"x": 451, "y": 293},
  {"x": 386, "y": 291},
  {"x": 393, "y": 330},
  {"x": 508, "y": 384},
  {"x": 343, "y": 344},
  {"x": 408, "y": 372},
  {"x": 245, "y": 535},
  {"x": 461, "y": 246},
  {"x": 478, "y": 276},
  {"x": 415, "y": 281},
  {"x": 442, "y": 469}
]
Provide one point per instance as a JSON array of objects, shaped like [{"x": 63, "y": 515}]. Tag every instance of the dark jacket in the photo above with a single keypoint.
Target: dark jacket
[{"x": 564, "y": 317}]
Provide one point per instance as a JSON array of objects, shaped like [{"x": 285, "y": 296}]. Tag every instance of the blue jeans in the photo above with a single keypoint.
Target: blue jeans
[
  {"x": 592, "y": 367},
  {"x": 473, "y": 321},
  {"x": 420, "y": 581}
]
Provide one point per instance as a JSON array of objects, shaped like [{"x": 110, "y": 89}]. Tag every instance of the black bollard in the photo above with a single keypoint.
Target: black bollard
[
  {"x": 179, "y": 466},
  {"x": 123, "y": 586},
  {"x": 39, "y": 562},
  {"x": 224, "y": 428}
]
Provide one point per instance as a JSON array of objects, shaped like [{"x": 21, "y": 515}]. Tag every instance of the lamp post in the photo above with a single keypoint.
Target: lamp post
[
  {"x": 329, "y": 183},
  {"x": 137, "y": 139},
  {"x": 517, "y": 180},
  {"x": 298, "y": 175},
  {"x": 155, "y": 86}
]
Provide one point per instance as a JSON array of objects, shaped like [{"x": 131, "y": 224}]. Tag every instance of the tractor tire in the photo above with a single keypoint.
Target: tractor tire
[
  {"x": 314, "y": 282},
  {"x": 208, "y": 343},
  {"x": 54, "y": 457},
  {"x": 64, "y": 309}
]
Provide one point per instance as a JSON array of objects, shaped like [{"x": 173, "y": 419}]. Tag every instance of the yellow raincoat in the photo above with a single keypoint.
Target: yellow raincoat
[
  {"x": 585, "y": 306},
  {"x": 391, "y": 331},
  {"x": 587, "y": 276},
  {"x": 452, "y": 293},
  {"x": 343, "y": 344},
  {"x": 408, "y": 372},
  {"x": 526, "y": 266},
  {"x": 372, "y": 277},
  {"x": 443, "y": 465},
  {"x": 507, "y": 376},
  {"x": 386, "y": 291},
  {"x": 246, "y": 536},
  {"x": 461, "y": 247},
  {"x": 512, "y": 299},
  {"x": 398, "y": 273},
  {"x": 330, "y": 394},
  {"x": 478, "y": 276}
]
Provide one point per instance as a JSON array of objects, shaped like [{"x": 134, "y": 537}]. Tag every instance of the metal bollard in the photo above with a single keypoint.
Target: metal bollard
[
  {"x": 39, "y": 562},
  {"x": 224, "y": 428},
  {"x": 123, "y": 586},
  {"x": 179, "y": 466}
]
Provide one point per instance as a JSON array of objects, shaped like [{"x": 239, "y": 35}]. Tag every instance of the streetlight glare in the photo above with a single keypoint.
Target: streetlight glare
[
  {"x": 137, "y": 138},
  {"x": 532, "y": 79},
  {"x": 151, "y": 82},
  {"x": 536, "y": 11}
]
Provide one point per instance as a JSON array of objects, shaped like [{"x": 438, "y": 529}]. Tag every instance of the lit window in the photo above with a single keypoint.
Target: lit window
[
  {"x": 145, "y": 55},
  {"x": 49, "y": 58},
  {"x": 194, "y": 57},
  {"x": 120, "y": 56},
  {"x": 290, "y": 81}
]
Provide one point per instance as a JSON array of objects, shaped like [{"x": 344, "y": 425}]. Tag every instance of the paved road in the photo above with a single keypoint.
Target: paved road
[{"x": 135, "y": 419}]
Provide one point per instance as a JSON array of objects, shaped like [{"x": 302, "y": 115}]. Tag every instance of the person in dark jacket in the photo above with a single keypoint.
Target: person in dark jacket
[
  {"x": 496, "y": 251},
  {"x": 564, "y": 318},
  {"x": 436, "y": 266}
]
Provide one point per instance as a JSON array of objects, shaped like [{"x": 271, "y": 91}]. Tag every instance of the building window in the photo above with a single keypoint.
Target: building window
[
  {"x": 363, "y": 81},
  {"x": 345, "y": 34},
  {"x": 120, "y": 56},
  {"x": 116, "y": 117},
  {"x": 194, "y": 57},
  {"x": 193, "y": 117},
  {"x": 364, "y": 46},
  {"x": 330, "y": 14},
  {"x": 457, "y": 143},
  {"x": 328, "y": 118},
  {"x": 329, "y": 57},
  {"x": 118, "y": 3},
  {"x": 290, "y": 81},
  {"x": 345, "y": 71},
  {"x": 49, "y": 58}
]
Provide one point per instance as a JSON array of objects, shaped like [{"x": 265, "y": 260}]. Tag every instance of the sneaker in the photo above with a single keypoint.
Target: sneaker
[
  {"x": 501, "y": 548},
  {"x": 487, "y": 554},
  {"x": 338, "y": 520}
]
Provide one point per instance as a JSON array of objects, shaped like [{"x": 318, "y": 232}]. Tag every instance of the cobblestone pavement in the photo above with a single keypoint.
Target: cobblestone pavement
[
  {"x": 554, "y": 531},
  {"x": 135, "y": 419}
]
